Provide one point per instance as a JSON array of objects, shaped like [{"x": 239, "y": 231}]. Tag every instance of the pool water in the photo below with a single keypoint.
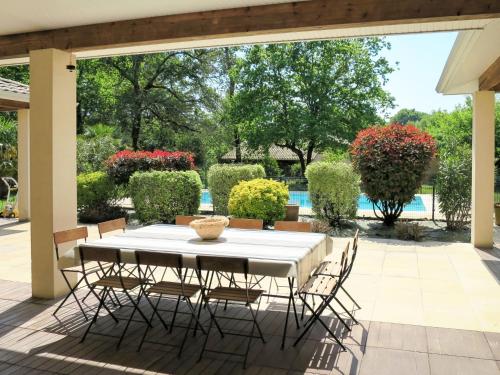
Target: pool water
[{"x": 302, "y": 199}]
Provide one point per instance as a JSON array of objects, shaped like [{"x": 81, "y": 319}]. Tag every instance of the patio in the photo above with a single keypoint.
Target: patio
[{"x": 426, "y": 309}]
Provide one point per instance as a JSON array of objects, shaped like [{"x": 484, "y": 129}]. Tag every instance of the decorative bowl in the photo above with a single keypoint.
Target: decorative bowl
[{"x": 210, "y": 228}]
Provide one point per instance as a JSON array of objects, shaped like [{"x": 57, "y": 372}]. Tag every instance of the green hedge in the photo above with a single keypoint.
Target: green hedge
[
  {"x": 334, "y": 190},
  {"x": 259, "y": 199},
  {"x": 159, "y": 196},
  {"x": 97, "y": 198},
  {"x": 223, "y": 177}
]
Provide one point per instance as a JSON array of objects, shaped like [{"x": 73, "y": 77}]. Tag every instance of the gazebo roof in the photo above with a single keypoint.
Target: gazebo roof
[
  {"x": 13, "y": 95},
  {"x": 276, "y": 152}
]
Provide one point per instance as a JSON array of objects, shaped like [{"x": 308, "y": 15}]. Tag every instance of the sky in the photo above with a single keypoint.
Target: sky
[{"x": 421, "y": 58}]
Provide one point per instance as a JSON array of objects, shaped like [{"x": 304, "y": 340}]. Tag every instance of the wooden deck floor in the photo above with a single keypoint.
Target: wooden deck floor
[{"x": 32, "y": 341}]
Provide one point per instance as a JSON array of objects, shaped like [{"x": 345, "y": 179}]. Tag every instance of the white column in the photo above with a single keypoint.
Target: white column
[
  {"x": 483, "y": 168},
  {"x": 52, "y": 164},
  {"x": 23, "y": 158}
]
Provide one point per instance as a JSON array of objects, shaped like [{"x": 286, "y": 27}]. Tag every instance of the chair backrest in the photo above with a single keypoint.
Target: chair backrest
[
  {"x": 159, "y": 259},
  {"x": 293, "y": 226},
  {"x": 185, "y": 220},
  {"x": 222, "y": 264},
  {"x": 344, "y": 262},
  {"x": 99, "y": 254},
  {"x": 353, "y": 253},
  {"x": 246, "y": 223},
  {"x": 111, "y": 225},
  {"x": 80, "y": 233}
]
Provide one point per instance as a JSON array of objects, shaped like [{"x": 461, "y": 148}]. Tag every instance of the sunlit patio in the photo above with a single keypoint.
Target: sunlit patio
[{"x": 425, "y": 309}]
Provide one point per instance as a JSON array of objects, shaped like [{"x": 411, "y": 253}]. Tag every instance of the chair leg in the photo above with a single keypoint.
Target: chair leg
[
  {"x": 94, "y": 319},
  {"x": 346, "y": 310},
  {"x": 206, "y": 338},
  {"x": 350, "y": 297},
  {"x": 339, "y": 317},
  {"x": 175, "y": 314},
  {"x": 104, "y": 292},
  {"x": 286, "y": 323},
  {"x": 185, "y": 335},
  {"x": 71, "y": 293},
  {"x": 249, "y": 342},
  {"x": 290, "y": 283}
]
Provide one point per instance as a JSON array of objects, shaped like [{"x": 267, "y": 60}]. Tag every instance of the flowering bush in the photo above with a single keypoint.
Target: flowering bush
[
  {"x": 392, "y": 161},
  {"x": 259, "y": 199},
  {"x": 123, "y": 164}
]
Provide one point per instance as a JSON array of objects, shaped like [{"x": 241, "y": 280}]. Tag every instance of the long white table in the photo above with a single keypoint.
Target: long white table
[{"x": 270, "y": 253}]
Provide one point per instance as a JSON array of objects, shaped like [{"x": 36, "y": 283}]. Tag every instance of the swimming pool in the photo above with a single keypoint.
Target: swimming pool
[{"x": 302, "y": 199}]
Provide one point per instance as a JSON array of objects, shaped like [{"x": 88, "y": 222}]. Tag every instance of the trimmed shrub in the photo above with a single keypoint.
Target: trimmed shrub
[
  {"x": 124, "y": 164},
  {"x": 334, "y": 190},
  {"x": 159, "y": 196},
  {"x": 97, "y": 198},
  {"x": 223, "y": 177},
  {"x": 259, "y": 199},
  {"x": 392, "y": 161},
  {"x": 454, "y": 186},
  {"x": 91, "y": 153}
]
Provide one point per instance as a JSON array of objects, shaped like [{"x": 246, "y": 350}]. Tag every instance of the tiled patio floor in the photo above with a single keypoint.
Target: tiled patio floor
[{"x": 428, "y": 308}]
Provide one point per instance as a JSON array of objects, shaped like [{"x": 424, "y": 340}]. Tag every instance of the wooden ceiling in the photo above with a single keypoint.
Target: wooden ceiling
[
  {"x": 252, "y": 20},
  {"x": 490, "y": 79}
]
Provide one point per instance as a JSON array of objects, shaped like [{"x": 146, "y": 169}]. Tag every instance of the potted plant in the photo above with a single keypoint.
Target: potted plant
[{"x": 292, "y": 212}]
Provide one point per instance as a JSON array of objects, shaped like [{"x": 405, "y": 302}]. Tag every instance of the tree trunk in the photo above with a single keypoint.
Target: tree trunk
[
  {"x": 229, "y": 63},
  {"x": 136, "y": 130},
  {"x": 237, "y": 144}
]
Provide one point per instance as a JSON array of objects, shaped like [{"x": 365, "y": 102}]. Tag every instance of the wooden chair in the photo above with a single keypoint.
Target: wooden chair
[
  {"x": 60, "y": 238},
  {"x": 293, "y": 226},
  {"x": 325, "y": 288},
  {"x": 112, "y": 280},
  {"x": 238, "y": 295},
  {"x": 256, "y": 224},
  {"x": 185, "y": 220},
  {"x": 178, "y": 289},
  {"x": 111, "y": 225}
]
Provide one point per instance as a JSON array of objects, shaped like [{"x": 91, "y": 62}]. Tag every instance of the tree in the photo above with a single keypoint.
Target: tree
[
  {"x": 407, "y": 116},
  {"x": 170, "y": 89},
  {"x": 392, "y": 161},
  {"x": 309, "y": 96}
]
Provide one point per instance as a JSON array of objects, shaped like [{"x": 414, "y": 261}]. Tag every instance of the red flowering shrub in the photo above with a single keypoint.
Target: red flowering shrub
[
  {"x": 392, "y": 161},
  {"x": 123, "y": 164}
]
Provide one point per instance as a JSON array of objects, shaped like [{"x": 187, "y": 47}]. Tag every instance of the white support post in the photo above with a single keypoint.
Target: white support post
[
  {"x": 483, "y": 168},
  {"x": 23, "y": 166},
  {"x": 52, "y": 164}
]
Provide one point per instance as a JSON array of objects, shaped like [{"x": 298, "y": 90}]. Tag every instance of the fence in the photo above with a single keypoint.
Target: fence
[{"x": 423, "y": 206}]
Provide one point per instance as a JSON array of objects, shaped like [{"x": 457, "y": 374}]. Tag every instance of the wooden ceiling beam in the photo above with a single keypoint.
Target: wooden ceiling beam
[
  {"x": 7, "y": 105},
  {"x": 253, "y": 20},
  {"x": 490, "y": 79}
]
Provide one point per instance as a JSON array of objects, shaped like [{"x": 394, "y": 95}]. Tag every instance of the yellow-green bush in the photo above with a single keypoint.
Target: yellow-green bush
[
  {"x": 222, "y": 178},
  {"x": 159, "y": 196},
  {"x": 259, "y": 199}
]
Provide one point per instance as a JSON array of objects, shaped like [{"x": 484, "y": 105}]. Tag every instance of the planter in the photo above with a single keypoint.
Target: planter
[
  {"x": 292, "y": 212},
  {"x": 209, "y": 228},
  {"x": 497, "y": 214}
]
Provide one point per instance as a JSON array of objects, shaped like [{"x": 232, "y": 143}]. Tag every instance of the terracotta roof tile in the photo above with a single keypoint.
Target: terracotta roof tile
[{"x": 13, "y": 86}]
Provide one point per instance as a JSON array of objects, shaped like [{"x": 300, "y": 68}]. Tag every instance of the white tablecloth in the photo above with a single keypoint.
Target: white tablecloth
[{"x": 270, "y": 253}]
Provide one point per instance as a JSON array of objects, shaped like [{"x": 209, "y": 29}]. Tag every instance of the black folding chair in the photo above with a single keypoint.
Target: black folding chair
[
  {"x": 332, "y": 269},
  {"x": 111, "y": 280},
  {"x": 177, "y": 289},
  {"x": 236, "y": 295},
  {"x": 325, "y": 288},
  {"x": 60, "y": 238}
]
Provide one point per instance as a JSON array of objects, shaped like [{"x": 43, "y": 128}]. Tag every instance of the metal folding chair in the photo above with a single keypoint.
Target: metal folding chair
[
  {"x": 236, "y": 295},
  {"x": 332, "y": 269},
  {"x": 177, "y": 289},
  {"x": 325, "y": 288},
  {"x": 62, "y": 237},
  {"x": 111, "y": 280}
]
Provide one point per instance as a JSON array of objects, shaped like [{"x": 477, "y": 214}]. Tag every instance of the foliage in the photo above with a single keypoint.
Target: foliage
[
  {"x": 392, "y": 161},
  {"x": 159, "y": 196},
  {"x": 309, "y": 96},
  {"x": 409, "y": 231},
  {"x": 320, "y": 226},
  {"x": 334, "y": 191},
  {"x": 222, "y": 178},
  {"x": 94, "y": 147},
  {"x": 123, "y": 164},
  {"x": 407, "y": 116},
  {"x": 259, "y": 199},
  {"x": 454, "y": 186},
  {"x": 8, "y": 151},
  {"x": 271, "y": 166},
  {"x": 97, "y": 198},
  {"x": 296, "y": 170}
]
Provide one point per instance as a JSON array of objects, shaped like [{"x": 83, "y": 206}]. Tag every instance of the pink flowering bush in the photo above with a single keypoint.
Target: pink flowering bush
[{"x": 123, "y": 164}]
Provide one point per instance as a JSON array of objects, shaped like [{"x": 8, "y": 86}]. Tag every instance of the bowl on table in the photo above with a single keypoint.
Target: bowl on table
[{"x": 210, "y": 228}]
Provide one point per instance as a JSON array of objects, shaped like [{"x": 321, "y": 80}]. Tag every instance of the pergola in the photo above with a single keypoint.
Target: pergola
[{"x": 50, "y": 35}]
